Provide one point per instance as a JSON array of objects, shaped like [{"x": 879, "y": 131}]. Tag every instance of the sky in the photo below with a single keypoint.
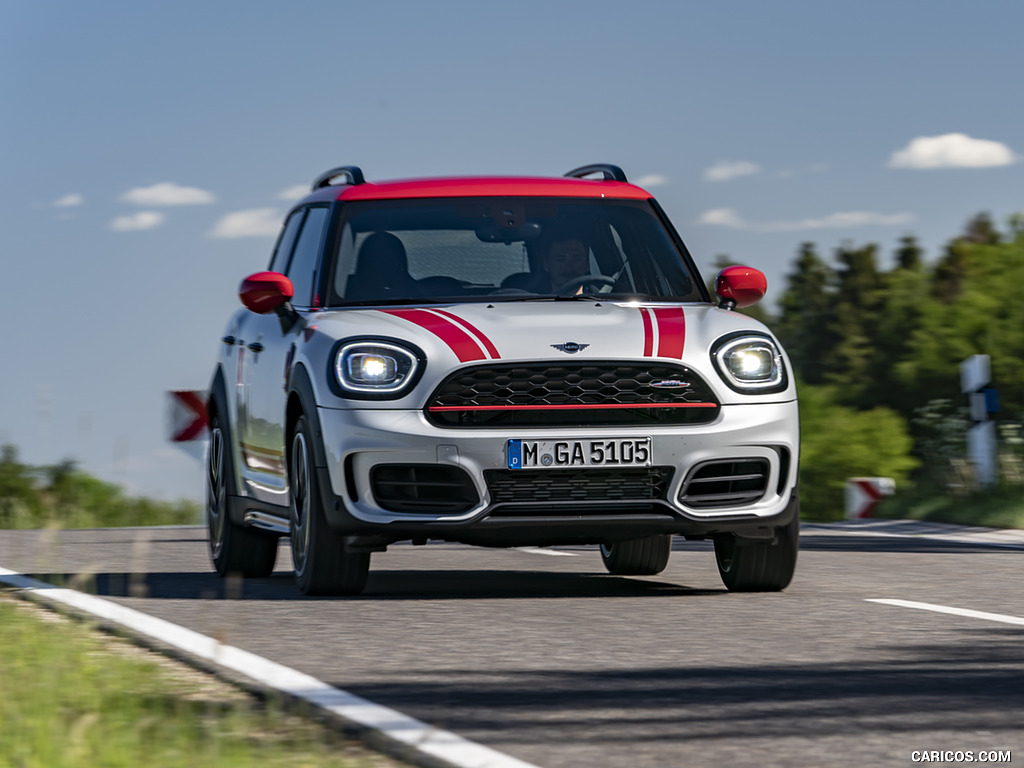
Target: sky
[{"x": 150, "y": 151}]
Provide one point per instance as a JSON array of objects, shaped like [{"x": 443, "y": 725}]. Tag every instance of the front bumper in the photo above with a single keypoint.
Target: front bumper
[{"x": 355, "y": 441}]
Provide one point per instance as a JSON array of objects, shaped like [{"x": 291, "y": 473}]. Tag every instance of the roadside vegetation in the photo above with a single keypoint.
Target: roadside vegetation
[
  {"x": 877, "y": 354},
  {"x": 77, "y": 699},
  {"x": 63, "y": 496}
]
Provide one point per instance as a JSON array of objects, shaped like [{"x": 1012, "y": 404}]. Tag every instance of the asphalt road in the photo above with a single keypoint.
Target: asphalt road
[{"x": 547, "y": 658}]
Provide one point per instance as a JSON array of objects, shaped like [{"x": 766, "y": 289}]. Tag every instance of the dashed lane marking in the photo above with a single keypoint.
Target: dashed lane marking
[
  {"x": 541, "y": 551},
  {"x": 966, "y": 612}
]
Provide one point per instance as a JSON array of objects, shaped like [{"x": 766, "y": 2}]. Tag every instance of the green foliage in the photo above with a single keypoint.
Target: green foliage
[
  {"x": 62, "y": 495},
  {"x": 838, "y": 442},
  {"x": 889, "y": 345},
  {"x": 73, "y": 701},
  {"x": 1000, "y": 507},
  {"x": 805, "y": 325}
]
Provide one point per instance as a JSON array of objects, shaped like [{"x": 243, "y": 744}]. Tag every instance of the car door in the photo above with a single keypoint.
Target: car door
[{"x": 268, "y": 348}]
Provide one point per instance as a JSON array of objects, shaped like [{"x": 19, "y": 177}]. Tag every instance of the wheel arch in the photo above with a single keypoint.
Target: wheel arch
[{"x": 302, "y": 402}]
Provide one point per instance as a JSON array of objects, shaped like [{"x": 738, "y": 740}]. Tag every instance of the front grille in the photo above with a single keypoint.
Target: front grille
[
  {"x": 424, "y": 488},
  {"x": 544, "y": 486},
  {"x": 572, "y": 395},
  {"x": 731, "y": 483}
]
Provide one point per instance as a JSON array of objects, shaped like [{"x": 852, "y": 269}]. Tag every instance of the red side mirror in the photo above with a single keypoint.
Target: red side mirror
[
  {"x": 265, "y": 291},
  {"x": 740, "y": 286}
]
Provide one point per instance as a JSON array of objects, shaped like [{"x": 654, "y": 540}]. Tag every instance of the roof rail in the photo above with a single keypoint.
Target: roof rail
[
  {"x": 610, "y": 172},
  {"x": 354, "y": 173}
]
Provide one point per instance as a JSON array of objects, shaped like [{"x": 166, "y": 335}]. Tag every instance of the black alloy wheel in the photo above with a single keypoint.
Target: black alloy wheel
[{"x": 322, "y": 564}]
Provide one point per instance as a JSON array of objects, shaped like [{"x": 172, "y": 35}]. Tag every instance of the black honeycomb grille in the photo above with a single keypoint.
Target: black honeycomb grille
[
  {"x": 544, "y": 486},
  {"x": 572, "y": 395}
]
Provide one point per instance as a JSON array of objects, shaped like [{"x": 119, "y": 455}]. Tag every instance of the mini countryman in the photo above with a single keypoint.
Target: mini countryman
[{"x": 504, "y": 362}]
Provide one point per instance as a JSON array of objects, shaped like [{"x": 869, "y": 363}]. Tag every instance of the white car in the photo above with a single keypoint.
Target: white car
[{"x": 499, "y": 361}]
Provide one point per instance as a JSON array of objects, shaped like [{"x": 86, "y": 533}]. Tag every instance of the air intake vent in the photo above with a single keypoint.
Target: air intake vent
[
  {"x": 423, "y": 488},
  {"x": 733, "y": 483}
]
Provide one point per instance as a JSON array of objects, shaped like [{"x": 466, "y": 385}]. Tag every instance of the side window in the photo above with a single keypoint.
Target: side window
[
  {"x": 279, "y": 261},
  {"x": 303, "y": 263}
]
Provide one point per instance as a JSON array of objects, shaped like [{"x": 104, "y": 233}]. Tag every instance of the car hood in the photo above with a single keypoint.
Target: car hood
[{"x": 559, "y": 331}]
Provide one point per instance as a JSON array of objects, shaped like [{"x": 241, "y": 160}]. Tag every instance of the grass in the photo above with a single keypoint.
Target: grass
[
  {"x": 76, "y": 698},
  {"x": 1001, "y": 507},
  {"x": 114, "y": 513}
]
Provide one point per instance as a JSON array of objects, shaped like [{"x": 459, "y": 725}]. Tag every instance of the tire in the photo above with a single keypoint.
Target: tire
[
  {"x": 234, "y": 549},
  {"x": 637, "y": 557},
  {"x": 766, "y": 566},
  {"x": 322, "y": 565}
]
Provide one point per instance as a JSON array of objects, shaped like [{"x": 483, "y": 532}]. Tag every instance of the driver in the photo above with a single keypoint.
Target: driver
[{"x": 565, "y": 259}]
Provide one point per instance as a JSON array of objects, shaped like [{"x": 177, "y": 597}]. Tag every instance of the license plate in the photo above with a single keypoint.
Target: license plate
[{"x": 563, "y": 454}]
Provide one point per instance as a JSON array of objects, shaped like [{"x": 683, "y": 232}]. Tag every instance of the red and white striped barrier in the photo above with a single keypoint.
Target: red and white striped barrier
[{"x": 864, "y": 493}]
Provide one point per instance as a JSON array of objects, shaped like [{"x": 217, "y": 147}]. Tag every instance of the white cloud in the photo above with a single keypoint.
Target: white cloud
[
  {"x": 727, "y": 217},
  {"x": 788, "y": 173},
  {"x": 297, "y": 192},
  {"x": 722, "y": 217},
  {"x": 843, "y": 220},
  {"x": 952, "y": 150},
  {"x": 651, "y": 180},
  {"x": 727, "y": 171},
  {"x": 137, "y": 221},
  {"x": 168, "y": 193},
  {"x": 260, "y": 222},
  {"x": 69, "y": 201}
]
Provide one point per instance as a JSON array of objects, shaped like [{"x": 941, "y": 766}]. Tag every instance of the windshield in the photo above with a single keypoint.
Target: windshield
[{"x": 506, "y": 249}]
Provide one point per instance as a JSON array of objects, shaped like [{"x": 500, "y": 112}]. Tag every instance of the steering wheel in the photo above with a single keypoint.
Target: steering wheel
[{"x": 578, "y": 282}]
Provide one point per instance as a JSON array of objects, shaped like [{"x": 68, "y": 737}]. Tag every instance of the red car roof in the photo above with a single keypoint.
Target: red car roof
[{"x": 492, "y": 186}]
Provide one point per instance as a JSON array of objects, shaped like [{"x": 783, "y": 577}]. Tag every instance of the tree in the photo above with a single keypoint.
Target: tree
[
  {"x": 805, "y": 325},
  {"x": 909, "y": 256},
  {"x": 980, "y": 230},
  {"x": 19, "y": 500},
  {"x": 982, "y": 317},
  {"x": 850, "y": 361}
]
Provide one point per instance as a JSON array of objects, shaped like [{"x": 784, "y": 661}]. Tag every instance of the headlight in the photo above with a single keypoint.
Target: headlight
[
  {"x": 750, "y": 363},
  {"x": 375, "y": 368}
]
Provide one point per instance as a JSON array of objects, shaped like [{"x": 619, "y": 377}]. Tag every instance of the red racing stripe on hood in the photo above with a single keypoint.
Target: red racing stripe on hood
[
  {"x": 461, "y": 343},
  {"x": 648, "y": 332},
  {"x": 491, "y": 349},
  {"x": 671, "y": 331}
]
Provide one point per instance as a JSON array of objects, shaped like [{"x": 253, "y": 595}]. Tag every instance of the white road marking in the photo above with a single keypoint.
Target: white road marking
[
  {"x": 539, "y": 551},
  {"x": 1000, "y": 617},
  {"x": 405, "y": 730}
]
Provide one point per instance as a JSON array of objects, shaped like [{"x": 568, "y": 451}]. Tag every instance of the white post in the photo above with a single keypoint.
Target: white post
[{"x": 975, "y": 382}]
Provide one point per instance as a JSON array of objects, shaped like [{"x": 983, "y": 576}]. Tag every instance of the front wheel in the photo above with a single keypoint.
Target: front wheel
[
  {"x": 764, "y": 566},
  {"x": 637, "y": 557},
  {"x": 322, "y": 566}
]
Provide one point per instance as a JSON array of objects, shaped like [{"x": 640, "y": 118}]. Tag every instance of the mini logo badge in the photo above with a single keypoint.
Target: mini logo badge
[
  {"x": 670, "y": 384},
  {"x": 570, "y": 347}
]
